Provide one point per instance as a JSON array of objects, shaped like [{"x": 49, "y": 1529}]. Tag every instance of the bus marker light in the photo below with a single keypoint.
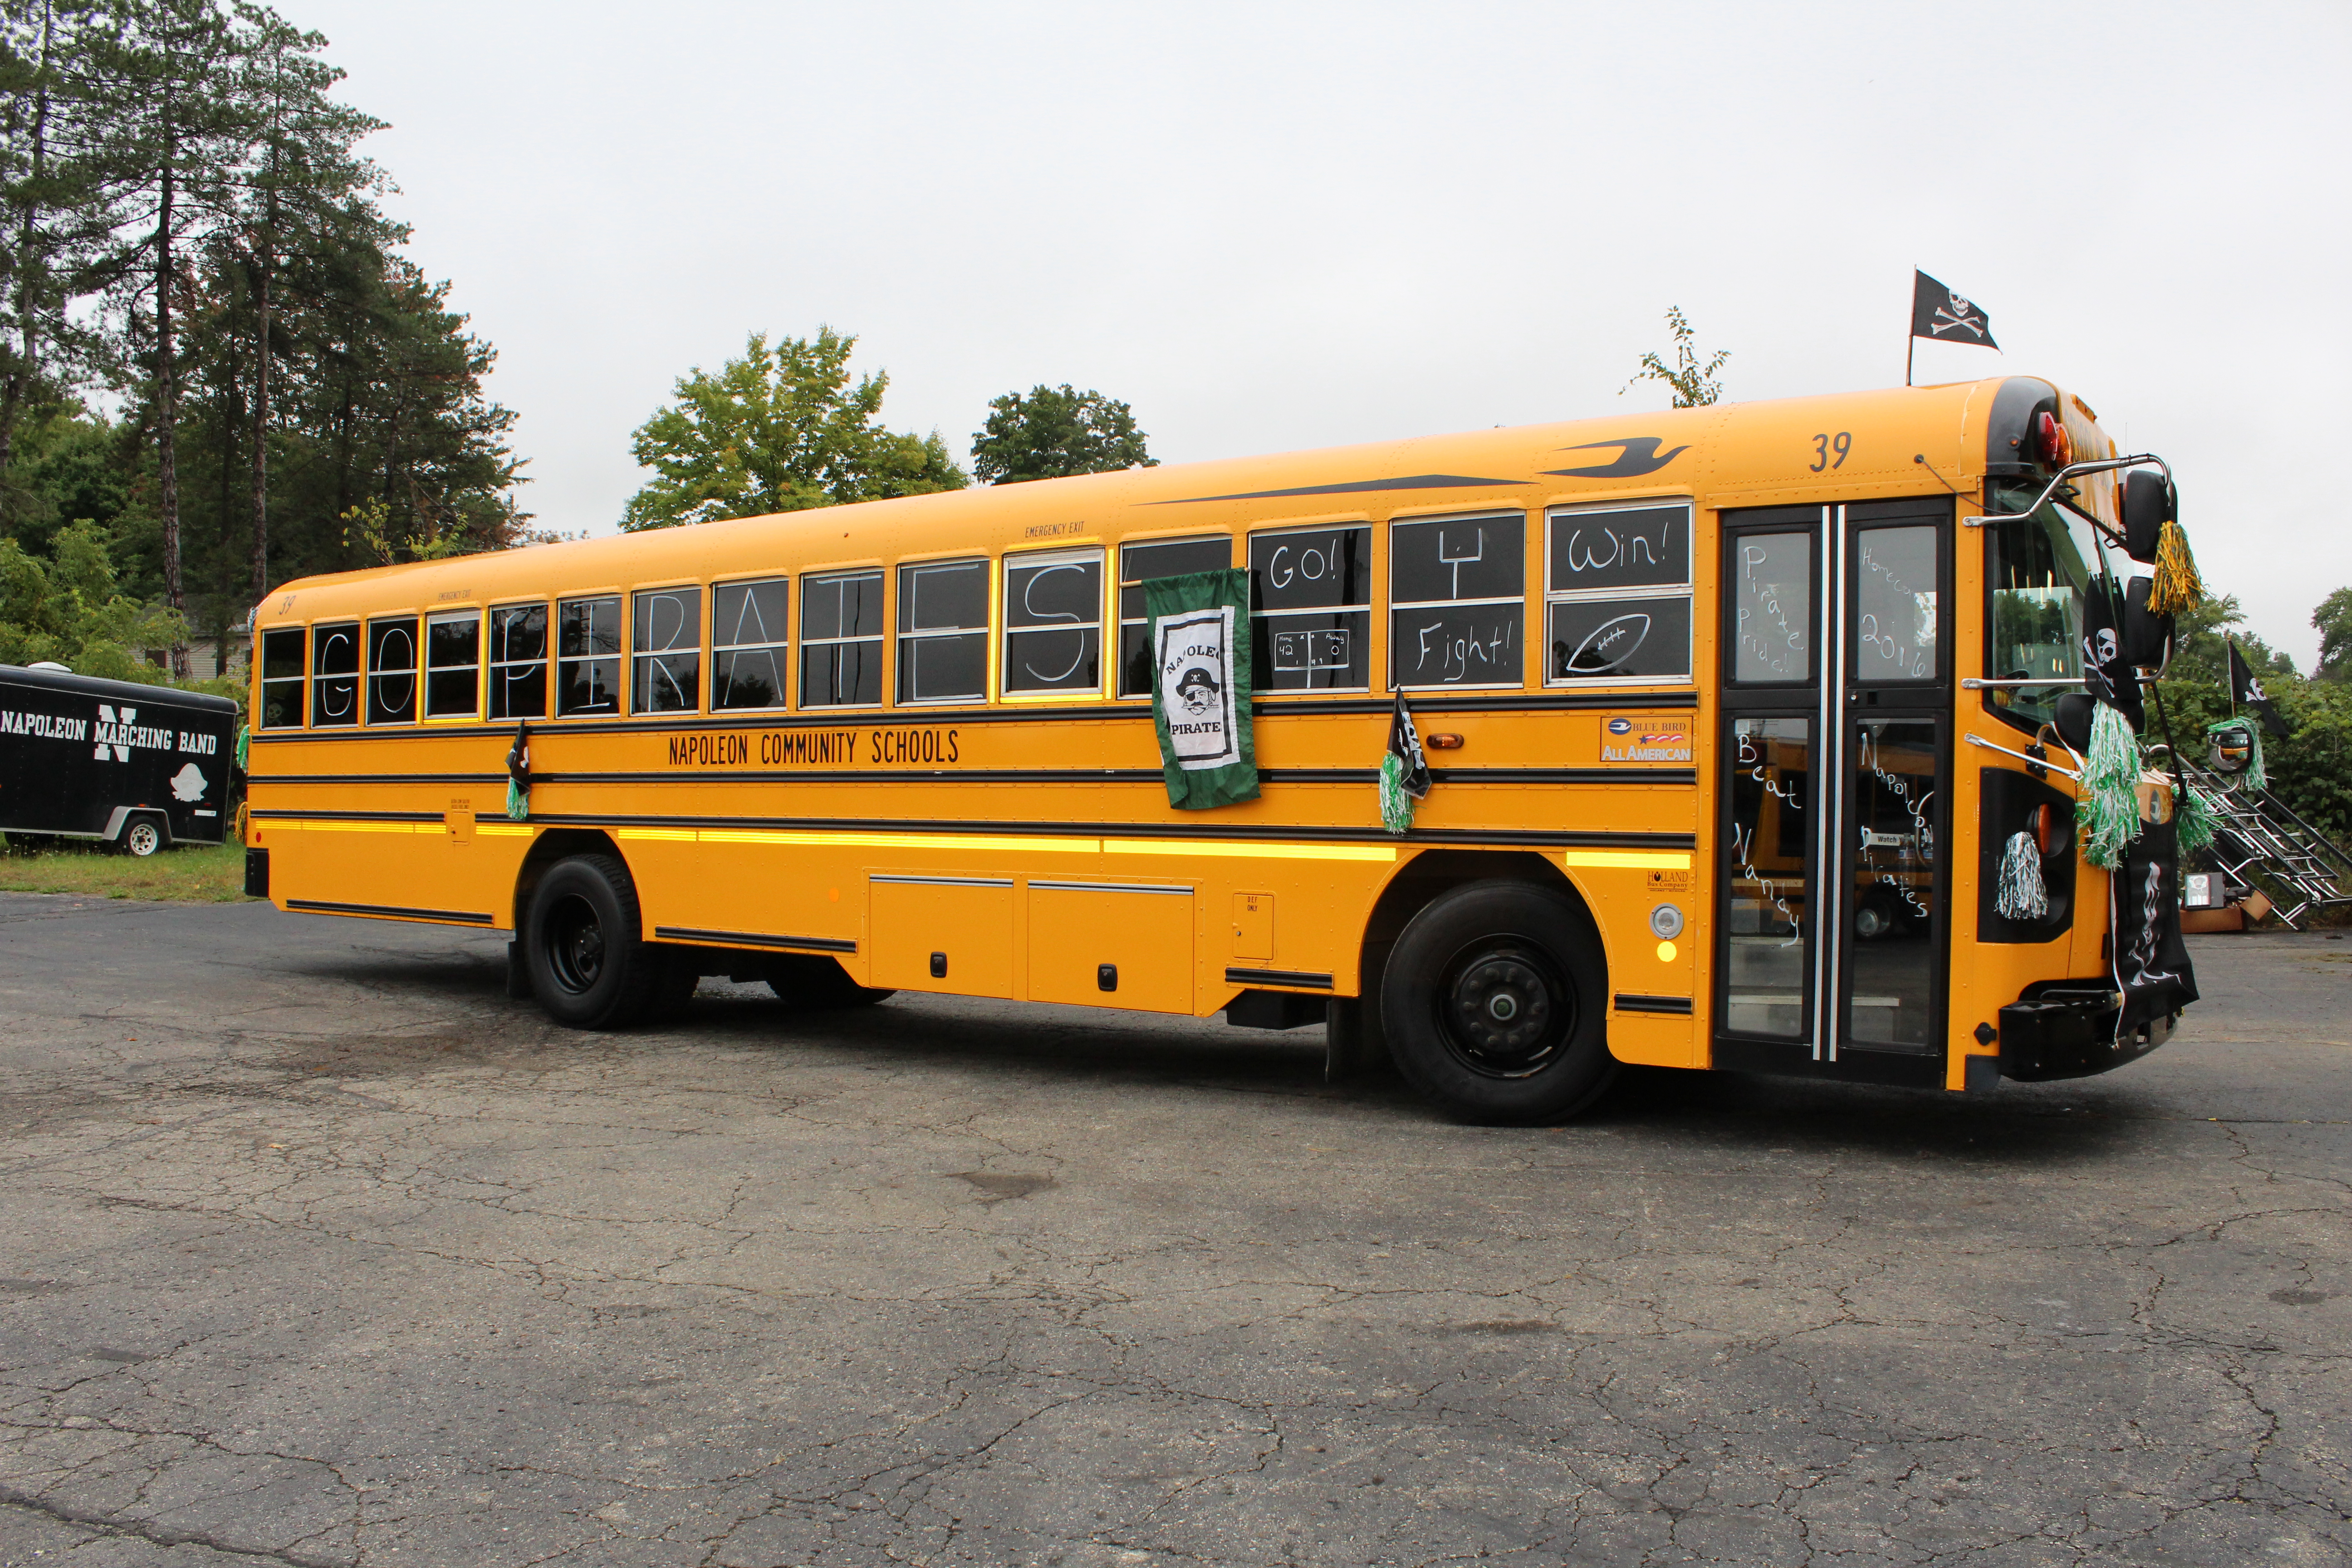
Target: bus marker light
[
  {"x": 1667, "y": 920},
  {"x": 1665, "y": 952}
]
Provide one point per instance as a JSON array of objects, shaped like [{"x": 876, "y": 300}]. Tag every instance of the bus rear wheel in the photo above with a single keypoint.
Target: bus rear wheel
[
  {"x": 588, "y": 967},
  {"x": 1495, "y": 1001}
]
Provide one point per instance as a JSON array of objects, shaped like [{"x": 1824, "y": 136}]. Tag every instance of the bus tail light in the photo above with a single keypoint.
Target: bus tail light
[{"x": 2051, "y": 443}]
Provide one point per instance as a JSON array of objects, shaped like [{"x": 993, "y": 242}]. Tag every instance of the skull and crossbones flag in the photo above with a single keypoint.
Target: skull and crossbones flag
[
  {"x": 1937, "y": 312},
  {"x": 2246, "y": 691}
]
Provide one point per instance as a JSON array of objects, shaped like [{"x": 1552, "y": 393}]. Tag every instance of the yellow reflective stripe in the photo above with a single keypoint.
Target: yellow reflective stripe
[
  {"x": 280, "y": 826},
  {"x": 1180, "y": 847},
  {"x": 505, "y": 829},
  {"x": 674, "y": 835},
  {"x": 1629, "y": 859}
]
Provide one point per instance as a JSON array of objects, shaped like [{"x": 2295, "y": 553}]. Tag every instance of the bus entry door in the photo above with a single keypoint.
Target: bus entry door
[{"x": 1835, "y": 750}]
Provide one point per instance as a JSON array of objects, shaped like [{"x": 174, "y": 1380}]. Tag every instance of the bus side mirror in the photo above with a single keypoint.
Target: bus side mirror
[
  {"x": 2147, "y": 507},
  {"x": 2147, "y": 637}
]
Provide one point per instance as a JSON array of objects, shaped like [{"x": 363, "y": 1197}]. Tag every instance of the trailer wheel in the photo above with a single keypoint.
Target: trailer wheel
[
  {"x": 1495, "y": 1003},
  {"x": 589, "y": 968},
  {"x": 143, "y": 836}
]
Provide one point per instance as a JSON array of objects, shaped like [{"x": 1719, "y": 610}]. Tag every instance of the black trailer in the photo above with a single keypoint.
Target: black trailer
[{"x": 140, "y": 766}]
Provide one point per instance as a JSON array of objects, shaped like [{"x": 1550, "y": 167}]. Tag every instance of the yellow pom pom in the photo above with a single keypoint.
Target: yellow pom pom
[{"x": 2177, "y": 586}]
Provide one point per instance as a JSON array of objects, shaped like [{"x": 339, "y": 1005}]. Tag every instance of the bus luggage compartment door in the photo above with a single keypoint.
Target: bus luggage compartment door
[
  {"x": 1111, "y": 944},
  {"x": 941, "y": 933}
]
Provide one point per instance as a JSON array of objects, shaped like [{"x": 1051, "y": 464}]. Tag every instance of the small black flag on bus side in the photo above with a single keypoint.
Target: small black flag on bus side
[{"x": 1940, "y": 313}]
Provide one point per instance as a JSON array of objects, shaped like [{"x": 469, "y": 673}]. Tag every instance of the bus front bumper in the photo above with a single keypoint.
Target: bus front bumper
[{"x": 2068, "y": 1030}]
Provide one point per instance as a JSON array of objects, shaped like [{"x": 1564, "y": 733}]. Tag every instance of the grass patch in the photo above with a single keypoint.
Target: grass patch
[{"x": 194, "y": 874}]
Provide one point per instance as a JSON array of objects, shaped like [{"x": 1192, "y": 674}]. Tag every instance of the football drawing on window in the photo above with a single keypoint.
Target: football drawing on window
[{"x": 1617, "y": 595}]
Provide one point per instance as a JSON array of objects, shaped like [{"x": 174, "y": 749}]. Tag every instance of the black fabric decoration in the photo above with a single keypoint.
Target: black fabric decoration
[
  {"x": 2246, "y": 691},
  {"x": 1936, "y": 313},
  {"x": 2108, "y": 670},
  {"x": 2151, "y": 961}
]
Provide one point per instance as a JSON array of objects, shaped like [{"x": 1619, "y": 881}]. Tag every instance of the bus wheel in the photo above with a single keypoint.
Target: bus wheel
[
  {"x": 1494, "y": 1004},
  {"x": 141, "y": 838},
  {"x": 1876, "y": 915},
  {"x": 588, "y": 967}
]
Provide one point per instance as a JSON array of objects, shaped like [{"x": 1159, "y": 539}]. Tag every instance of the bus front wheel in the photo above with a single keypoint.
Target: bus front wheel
[
  {"x": 1495, "y": 1003},
  {"x": 588, "y": 967}
]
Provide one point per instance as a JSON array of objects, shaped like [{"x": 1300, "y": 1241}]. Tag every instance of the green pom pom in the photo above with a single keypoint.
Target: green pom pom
[
  {"x": 2110, "y": 779},
  {"x": 2196, "y": 819},
  {"x": 518, "y": 801},
  {"x": 1396, "y": 806}
]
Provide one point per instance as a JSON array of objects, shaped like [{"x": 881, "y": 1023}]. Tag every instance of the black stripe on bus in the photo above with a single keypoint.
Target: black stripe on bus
[
  {"x": 1130, "y": 709},
  {"x": 1628, "y": 1003},
  {"x": 753, "y": 938},
  {"x": 1225, "y": 832},
  {"x": 884, "y": 772},
  {"x": 1278, "y": 977},
  {"x": 388, "y": 912}
]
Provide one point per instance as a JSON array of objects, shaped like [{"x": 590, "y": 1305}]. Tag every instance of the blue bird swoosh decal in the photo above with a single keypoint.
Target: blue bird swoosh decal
[{"x": 1640, "y": 456}]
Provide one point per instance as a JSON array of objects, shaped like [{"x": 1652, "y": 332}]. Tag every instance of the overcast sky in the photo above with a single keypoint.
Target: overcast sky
[{"x": 1270, "y": 226}]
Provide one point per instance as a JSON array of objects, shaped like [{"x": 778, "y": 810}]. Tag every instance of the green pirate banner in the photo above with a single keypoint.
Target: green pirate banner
[{"x": 1201, "y": 687}]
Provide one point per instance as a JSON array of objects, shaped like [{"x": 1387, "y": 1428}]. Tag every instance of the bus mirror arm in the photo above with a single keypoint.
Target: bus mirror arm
[
  {"x": 2070, "y": 471},
  {"x": 2029, "y": 761}
]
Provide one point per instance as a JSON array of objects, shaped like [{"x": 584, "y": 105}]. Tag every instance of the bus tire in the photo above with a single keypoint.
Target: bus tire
[
  {"x": 588, "y": 967},
  {"x": 143, "y": 836},
  {"x": 1495, "y": 1003}
]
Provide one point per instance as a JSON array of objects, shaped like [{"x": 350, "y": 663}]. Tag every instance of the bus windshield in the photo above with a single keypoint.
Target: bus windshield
[{"x": 2038, "y": 571}]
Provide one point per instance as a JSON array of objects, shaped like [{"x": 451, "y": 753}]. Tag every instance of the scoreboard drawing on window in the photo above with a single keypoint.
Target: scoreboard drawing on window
[{"x": 1306, "y": 652}]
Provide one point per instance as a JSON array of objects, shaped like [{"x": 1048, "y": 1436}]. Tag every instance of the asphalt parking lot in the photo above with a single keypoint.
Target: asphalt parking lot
[{"x": 316, "y": 1249}]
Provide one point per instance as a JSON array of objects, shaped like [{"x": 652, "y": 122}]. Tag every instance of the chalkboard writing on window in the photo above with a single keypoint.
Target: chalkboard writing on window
[
  {"x": 1311, "y": 598},
  {"x": 1457, "y": 611},
  {"x": 943, "y": 631},
  {"x": 1633, "y": 547},
  {"x": 1053, "y": 622},
  {"x": 750, "y": 634}
]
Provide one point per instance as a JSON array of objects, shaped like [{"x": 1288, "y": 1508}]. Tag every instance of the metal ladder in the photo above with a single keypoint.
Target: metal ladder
[{"x": 2259, "y": 840}]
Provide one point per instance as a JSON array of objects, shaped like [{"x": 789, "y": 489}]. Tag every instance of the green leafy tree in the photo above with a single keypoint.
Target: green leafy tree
[
  {"x": 1694, "y": 384},
  {"x": 66, "y": 610},
  {"x": 1051, "y": 433},
  {"x": 2334, "y": 619},
  {"x": 782, "y": 429}
]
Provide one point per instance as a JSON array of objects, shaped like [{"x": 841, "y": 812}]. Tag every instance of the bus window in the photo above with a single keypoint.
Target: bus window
[
  {"x": 281, "y": 679},
  {"x": 587, "y": 655},
  {"x": 665, "y": 636},
  {"x": 453, "y": 665},
  {"x": 335, "y": 667},
  {"x": 519, "y": 661},
  {"x": 1617, "y": 595},
  {"x": 841, "y": 640},
  {"x": 1053, "y": 622},
  {"x": 1772, "y": 607},
  {"x": 392, "y": 671},
  {"x": 1458, "y": 601},
  {"x": 1156, "y": 558},
  {"x": 1311, "y": 608},
  {"x": 943, "y": 632},
  {"x": 2038, "y": 573},
  {"x": 750, "y": 644},
  {"x": 1896, "y": 626}
]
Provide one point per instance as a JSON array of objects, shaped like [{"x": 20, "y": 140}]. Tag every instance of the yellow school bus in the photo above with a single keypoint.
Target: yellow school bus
[{"x": 1731, "y": 711}]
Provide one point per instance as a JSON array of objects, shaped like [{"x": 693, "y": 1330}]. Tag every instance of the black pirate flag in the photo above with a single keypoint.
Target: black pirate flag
[
  {"x": 1936, "y": 313},
  {"x": 2246, "y": 691},
  {"x": 2107, "y": 674}
]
